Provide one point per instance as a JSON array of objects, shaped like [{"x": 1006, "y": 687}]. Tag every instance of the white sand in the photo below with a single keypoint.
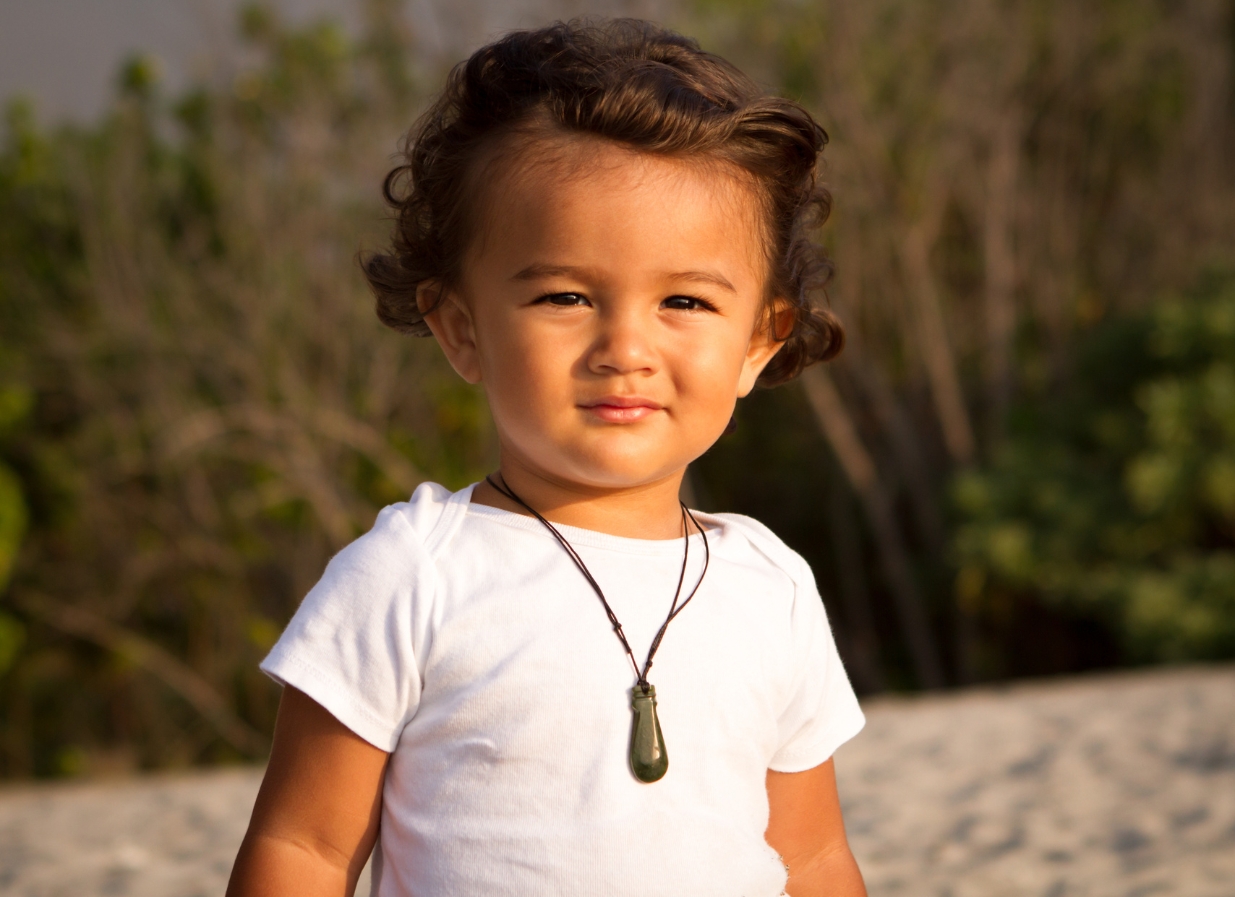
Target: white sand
[
  {"x": 1119, "y": 785},
  {"x": 1116, "y": 785}
]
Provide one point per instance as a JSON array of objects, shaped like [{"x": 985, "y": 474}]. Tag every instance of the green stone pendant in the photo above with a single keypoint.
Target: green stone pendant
[{"x": 648, "y": 759}]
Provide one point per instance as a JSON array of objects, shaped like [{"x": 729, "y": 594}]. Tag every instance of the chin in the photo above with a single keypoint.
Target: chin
[
  {"x": 620, "y": 473},
  {"x": 608, "y": 462}
]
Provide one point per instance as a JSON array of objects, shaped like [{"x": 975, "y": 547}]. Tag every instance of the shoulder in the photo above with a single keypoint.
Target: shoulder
[
  {"x": 357, "y": 643},
  {"x": 387, "y": 573},
  {"x": 768, "y": 546},
  {"x": 401, "y": 540},
  {"x": 419, "y": 517},
  {"x": 418, "y": 521}
]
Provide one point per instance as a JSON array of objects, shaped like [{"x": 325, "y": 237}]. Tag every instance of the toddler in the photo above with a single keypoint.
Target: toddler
[{"x": 560, "y": 680}]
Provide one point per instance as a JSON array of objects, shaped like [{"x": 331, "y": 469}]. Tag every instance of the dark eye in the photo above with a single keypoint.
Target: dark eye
[
  {"x": 688, "y": 303},
  {"x": 564, "y": 299}
]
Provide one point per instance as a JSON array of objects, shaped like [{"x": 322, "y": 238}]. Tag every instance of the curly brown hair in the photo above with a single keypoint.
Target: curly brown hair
[{"x": 634, "y": 83}]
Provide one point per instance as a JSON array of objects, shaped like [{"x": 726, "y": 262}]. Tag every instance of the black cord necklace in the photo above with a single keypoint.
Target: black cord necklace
[{"x": 648, "y": 759}]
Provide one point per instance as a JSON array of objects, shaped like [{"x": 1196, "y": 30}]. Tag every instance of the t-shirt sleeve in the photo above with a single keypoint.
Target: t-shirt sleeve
[
  {"x": 352, "y": 644},
  {"x": 822, "y": 712}
]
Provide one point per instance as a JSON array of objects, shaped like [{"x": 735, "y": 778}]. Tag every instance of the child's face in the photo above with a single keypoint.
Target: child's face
[{"x": 612, "y": 307}]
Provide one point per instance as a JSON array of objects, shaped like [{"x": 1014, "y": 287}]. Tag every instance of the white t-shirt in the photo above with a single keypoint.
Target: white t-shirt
[{"x": 462, "y": 639}]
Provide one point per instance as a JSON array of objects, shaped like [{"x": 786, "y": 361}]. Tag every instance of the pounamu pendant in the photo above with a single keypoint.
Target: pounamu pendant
[{"x": 648, "y": 759}]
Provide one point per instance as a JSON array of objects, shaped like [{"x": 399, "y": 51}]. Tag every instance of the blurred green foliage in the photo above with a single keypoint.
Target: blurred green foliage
[
  {"x": 1117, "y": 497},
  {"x": 14, "y": 408},
  {"x": 197, "y": 403},
  {"x": 1018, "y": 186},
  {"x": 198, "y": 406}
]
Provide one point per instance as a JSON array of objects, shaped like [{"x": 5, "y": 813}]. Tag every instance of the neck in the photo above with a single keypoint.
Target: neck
[{"x": 646, "y": 511}]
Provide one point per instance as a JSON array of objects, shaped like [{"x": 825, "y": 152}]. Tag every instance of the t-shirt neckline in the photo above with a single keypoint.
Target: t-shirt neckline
[{"x": 592, "y": 538}]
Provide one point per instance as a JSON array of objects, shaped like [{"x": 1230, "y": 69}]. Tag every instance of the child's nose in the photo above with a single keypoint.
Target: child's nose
[{"x": 622, "y": 346}]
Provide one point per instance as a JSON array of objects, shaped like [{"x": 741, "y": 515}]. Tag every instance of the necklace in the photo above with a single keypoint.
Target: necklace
[{"x": 648, "y": 758}]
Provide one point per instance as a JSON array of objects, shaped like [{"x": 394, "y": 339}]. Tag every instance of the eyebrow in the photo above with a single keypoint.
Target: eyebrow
[{"x": 540, "y": 270}]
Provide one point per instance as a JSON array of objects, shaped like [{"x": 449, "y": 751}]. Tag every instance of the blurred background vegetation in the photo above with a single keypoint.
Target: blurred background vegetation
[{"x": 1023, "y": 464}]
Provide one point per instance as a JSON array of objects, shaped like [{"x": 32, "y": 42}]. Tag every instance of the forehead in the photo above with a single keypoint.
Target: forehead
[{"x": 591, "y": 196}]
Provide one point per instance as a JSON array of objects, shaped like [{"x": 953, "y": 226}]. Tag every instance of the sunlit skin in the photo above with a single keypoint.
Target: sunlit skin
[
  {"x": 614, "y": 308},
  {"x": 614, "y": 312}
]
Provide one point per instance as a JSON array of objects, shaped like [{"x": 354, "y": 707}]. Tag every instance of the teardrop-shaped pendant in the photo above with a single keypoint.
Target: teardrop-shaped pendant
[{"x": 648, "y": 759}]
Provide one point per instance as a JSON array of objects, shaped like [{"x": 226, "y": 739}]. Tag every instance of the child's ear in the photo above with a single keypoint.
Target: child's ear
[
  {"x": 770, "y": 334},
  {"x": 451, "y": 323}
]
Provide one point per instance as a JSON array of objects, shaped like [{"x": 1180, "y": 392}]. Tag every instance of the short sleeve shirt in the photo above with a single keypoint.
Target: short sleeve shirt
[{"x": 462, "y": 639}]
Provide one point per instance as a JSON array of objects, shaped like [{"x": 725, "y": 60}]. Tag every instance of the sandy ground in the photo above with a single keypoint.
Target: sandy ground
[
  {"x": 1119, "y": 786},
  {"x": 1113, "y": 786}
]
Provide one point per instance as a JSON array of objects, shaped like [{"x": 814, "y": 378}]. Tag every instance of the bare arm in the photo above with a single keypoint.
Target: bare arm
[
  {"x": 317, "y": 812},
  {"x": 806, "y": 829}
]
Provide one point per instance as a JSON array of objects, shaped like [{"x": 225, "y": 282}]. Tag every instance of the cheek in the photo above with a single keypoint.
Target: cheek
[
  {"x": 710, "y": 368},
  {"x": 526, "y": 374}
]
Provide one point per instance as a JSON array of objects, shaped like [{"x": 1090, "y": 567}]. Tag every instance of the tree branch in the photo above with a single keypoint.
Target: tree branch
[{"x": 155, "y": 660}]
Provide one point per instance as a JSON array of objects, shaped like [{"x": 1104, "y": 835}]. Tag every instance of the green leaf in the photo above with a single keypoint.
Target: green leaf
[{"x": 13, "y": 521}]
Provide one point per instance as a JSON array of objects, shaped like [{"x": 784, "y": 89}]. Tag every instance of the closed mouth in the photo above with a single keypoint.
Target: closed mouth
[{"x": 621, "y": 409}]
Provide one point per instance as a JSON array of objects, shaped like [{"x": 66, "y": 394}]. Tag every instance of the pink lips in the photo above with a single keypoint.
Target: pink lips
[{"x": 622, "y": 409}]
